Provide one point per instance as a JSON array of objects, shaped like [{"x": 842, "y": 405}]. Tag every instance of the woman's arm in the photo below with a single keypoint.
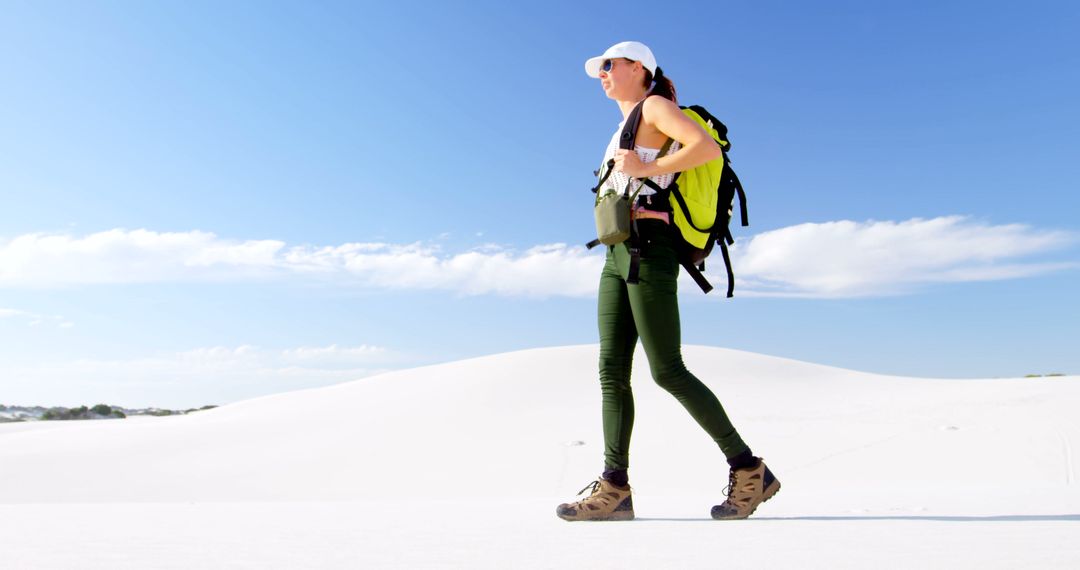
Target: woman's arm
[{"x": 697, "y": 146}]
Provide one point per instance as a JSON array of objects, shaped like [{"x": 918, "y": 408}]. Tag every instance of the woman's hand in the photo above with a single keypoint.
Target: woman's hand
[{"x": 629, "y": 162}]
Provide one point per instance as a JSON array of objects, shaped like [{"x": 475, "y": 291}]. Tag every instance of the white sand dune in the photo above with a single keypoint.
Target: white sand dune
[{"x": 462, "y": 464}]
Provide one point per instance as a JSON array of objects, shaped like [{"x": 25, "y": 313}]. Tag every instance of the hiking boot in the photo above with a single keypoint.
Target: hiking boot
[
  {"x": 747, "y": 488},
  {"x": 607, "y": 502}
]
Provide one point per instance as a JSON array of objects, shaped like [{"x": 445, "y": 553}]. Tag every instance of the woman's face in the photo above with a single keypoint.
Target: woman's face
[{"x": 621, "y": 80}]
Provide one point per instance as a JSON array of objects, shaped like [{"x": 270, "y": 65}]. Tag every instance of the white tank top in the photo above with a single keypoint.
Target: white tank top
[{"x": 618, "y": 180}]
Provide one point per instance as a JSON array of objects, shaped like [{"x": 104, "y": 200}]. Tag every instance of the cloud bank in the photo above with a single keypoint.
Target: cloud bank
[
  {"x": 832, "y": 259},
  {"x": 34, "y": 319},
  {"x": 219, "y": 374},
  {"x": 846, "y": 259}
]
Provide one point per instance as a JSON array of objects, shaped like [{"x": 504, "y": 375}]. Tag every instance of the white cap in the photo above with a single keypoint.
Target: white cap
[{"x": 636, "y": 51}]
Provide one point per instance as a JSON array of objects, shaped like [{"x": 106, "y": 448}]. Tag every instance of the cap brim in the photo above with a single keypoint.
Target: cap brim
[{"x": 592, "y": 65}]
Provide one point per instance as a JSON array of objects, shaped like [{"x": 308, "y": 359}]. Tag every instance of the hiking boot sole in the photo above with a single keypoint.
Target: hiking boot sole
[
  {"x": 768, "y": 494},
  {"x": 615, "y": 516}
]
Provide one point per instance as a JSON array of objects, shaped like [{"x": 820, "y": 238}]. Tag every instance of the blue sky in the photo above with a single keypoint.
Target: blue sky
[{"x": 207, "y": 202}]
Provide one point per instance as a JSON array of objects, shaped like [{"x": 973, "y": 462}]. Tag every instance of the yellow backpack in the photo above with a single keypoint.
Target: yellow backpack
[{"x": 700, "y": 200}]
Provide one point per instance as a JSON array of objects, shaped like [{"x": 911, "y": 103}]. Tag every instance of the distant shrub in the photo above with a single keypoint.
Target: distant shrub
[
  {"x": 57, "y": 413},
  {"x": 190, "y": 410},
  {"x": 1033, "y": 376},
  {"x": 101, "y": 411},
  {"x": 1055, "y": 374},
  {"x": 62, "y": 413}
]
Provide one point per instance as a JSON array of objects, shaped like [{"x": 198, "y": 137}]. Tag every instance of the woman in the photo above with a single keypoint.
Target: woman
[{"x": 649, "y": 308}]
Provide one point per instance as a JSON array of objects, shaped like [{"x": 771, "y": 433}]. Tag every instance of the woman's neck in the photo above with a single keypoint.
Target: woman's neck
[{"x": 629, "y": 104}]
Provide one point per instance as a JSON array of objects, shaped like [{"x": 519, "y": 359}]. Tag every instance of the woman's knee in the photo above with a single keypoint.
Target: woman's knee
[
  {"x": 672, "y": 375},
  {"x": 615, "y": 369}
]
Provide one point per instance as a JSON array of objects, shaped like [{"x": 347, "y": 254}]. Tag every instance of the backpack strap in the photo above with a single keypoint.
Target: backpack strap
[
  {"x": 661, "y": 192},
  {"x": 635, "y": 250},
  {"x": 635, "y": 256},
  {"x": 626, "y": 142},
  {"x": 686, "y": 211},
  {"x": 727, "y": 239},
  {"x": 665, "y": 148},
  {"x": 700, "y": 279},
  {"x": 738, "y": 188},
  {"x": 633, "y": 242},
  {"x": 727, "y": 264},
  {"x": 610, "y": 164},
  {"x": 630, "y": 127}
]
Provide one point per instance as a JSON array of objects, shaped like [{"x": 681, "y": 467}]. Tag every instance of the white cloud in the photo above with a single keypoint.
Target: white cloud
[
  {"x": 833, "y": 259},
  {"x": 137, "y": 256},
  {"x": 334, "y": 354},
  {"x": 846, "y": 259},
  {"x": 34, "y": 319},
  {"x": 143, "y": 256}
]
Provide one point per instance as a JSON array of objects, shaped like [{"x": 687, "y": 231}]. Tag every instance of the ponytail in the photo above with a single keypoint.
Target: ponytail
[{"x": 664, "y": 87}]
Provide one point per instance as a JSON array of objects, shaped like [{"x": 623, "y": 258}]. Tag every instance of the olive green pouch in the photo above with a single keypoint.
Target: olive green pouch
[{"x": 612, "y": 213}]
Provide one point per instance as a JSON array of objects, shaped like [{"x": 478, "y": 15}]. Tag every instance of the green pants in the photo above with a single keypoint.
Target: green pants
[{"x": 649, "y": 309}]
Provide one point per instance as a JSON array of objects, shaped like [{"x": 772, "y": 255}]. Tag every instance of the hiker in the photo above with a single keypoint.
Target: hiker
[{"x": 648, "y": 305}]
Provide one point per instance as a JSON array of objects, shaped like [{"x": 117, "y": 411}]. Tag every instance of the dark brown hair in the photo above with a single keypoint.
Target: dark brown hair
[{"x": 664, "y": 87}]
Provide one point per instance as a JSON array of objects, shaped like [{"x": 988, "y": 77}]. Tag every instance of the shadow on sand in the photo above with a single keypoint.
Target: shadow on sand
[{"x": 940, "y": 518}]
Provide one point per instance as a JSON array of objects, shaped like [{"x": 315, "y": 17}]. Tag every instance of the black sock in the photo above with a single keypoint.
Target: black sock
[
  {"x": 617, "y": 477},
  {"x": 743, "y": 460}
]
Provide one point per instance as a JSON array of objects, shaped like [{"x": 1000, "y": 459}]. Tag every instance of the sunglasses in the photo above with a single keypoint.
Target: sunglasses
[{"x": 606, "y": 66}]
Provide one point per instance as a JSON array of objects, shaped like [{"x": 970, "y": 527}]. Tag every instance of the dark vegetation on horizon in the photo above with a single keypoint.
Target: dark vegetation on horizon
[{"x": 98, "y": 412}]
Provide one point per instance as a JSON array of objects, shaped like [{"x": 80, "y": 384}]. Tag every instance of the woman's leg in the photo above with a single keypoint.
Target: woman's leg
[
  {"x": 655, "y": 304},
  {"x": 618, "y": 336},
  {"x": 610, "y": 498}
]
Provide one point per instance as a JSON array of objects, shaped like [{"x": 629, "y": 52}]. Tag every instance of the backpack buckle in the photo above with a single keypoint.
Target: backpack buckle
[{"x": 635, "y": 263}]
